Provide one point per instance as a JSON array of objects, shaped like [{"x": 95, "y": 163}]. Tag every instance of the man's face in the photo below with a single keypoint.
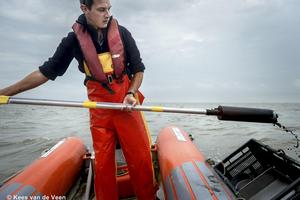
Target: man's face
[{"x": 99, "y": 14}]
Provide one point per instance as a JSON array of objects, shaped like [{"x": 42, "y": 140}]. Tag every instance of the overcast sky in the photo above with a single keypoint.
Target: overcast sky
[{"x": 194, "y": 50}]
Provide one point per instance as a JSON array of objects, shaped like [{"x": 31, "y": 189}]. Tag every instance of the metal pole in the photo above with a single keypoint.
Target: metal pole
[
  {"x": 100, "y": 105},
  {"x": 222, "y": 112}
]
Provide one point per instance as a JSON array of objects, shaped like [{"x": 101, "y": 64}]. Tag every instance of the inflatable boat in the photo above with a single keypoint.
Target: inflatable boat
[{"x": 254, "y": 171}]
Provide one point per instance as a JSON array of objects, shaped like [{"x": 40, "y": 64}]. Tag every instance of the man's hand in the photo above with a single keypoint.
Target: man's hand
[
  {"x": 129, "y": 99},
  {"x": 135, "y": 83}
]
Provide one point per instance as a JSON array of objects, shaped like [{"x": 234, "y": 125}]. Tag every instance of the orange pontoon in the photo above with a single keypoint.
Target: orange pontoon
[
  {"x": 184, "y": 172},
  {"x": 53, "y": 173}
]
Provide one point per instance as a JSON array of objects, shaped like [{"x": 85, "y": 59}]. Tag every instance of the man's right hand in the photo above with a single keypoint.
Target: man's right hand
[{"x": 33, "y": 80}]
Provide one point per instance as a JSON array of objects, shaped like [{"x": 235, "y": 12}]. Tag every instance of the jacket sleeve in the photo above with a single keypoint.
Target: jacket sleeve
[
  {"x": 60, "y": 61},
  {"x": 133, "y": 57}
]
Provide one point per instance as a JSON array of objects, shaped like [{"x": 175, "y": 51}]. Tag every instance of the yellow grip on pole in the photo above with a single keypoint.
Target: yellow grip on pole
[
  {"x": 89, "y": 104},
  {"x": 4, "y": 99},
  {"x": 157, "y": 109}
]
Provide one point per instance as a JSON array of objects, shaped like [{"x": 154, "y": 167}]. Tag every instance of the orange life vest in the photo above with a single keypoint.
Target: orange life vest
[{"x": 116, "y": 49}]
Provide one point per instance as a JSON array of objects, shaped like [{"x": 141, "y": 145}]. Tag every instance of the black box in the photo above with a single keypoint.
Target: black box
[{"x": 257, "y": 172}]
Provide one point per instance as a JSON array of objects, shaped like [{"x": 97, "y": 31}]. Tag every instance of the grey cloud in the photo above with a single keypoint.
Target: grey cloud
[{"x": 196, "y": 50}]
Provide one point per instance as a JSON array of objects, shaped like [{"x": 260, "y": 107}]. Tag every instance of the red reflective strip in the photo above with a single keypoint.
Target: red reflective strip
[
  {"x": 187, "y": 183},
  {"x": 173, "y": 188},
  {"x": 205, "y": 182}
]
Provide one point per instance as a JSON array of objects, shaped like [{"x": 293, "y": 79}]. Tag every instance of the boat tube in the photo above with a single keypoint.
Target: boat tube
[
  {"x": 184, "y": 172},
  {"x": 51, "y": 176}
]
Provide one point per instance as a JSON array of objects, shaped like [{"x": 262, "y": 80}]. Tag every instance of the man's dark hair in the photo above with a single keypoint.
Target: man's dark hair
[{"x": 88, "y": 3}]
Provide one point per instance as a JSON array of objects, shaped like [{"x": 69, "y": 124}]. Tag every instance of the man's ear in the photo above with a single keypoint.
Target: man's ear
[{"x": 84, "y": 8}]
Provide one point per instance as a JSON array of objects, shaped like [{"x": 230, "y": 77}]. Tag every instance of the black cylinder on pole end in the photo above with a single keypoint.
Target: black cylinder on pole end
[{"x": 246, "y": 114}]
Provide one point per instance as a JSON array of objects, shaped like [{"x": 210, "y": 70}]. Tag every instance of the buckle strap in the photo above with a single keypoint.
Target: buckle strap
[
  {"x": 105, "y": 86},
  {"x": 110, "y": 78}
]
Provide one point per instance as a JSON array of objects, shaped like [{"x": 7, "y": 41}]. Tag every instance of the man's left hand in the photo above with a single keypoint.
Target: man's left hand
[{"x": 130, "y": 99}]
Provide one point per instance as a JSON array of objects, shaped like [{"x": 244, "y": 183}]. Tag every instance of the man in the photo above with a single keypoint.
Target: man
[{"x": 107, "y": 54}]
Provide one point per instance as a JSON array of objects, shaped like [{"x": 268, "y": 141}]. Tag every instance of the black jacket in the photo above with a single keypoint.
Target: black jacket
[{"x": 69, "y": 48}]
